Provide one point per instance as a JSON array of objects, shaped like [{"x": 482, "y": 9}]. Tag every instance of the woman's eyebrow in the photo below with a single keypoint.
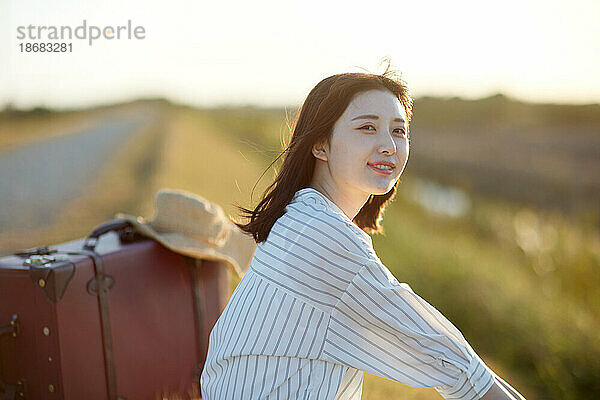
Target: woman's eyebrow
[{"x": 373, "y": 116}]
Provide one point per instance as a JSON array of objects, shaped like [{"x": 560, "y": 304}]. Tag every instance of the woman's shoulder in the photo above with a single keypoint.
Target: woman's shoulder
[
  {"x": 312, "y": 217},
  {"x": 312, "y": 253}
]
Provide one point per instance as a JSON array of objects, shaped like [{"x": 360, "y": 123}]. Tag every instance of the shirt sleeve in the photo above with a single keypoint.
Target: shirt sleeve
[{"x": 382, "y": 327}]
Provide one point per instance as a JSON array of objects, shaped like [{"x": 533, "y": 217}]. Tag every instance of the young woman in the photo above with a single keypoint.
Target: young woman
[{"x": 317, "y": 307}]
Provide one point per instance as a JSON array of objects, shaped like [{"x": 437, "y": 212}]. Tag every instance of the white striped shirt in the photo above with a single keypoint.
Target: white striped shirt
[{"x": 317, "y": 307}]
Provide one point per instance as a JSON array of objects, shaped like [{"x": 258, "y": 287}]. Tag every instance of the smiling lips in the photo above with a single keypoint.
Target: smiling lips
[{"x": 383, "y": 167}]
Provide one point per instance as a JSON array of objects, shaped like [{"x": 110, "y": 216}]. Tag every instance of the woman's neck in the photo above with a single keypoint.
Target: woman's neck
[{"x": 347, "y": 202}]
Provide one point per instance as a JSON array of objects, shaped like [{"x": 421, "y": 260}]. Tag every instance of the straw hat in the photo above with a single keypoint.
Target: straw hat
[{"x": 191, "y": 225}]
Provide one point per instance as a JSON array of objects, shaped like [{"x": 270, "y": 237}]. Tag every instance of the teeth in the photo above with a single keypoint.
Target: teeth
[{"x": 380, "y": 166}]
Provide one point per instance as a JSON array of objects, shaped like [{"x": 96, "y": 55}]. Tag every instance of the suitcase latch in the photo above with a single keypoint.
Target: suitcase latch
[
  {"x": 14, "y": 392},
  {"x": 12, "y": 329},
  {"x": 43, "y": 259}
]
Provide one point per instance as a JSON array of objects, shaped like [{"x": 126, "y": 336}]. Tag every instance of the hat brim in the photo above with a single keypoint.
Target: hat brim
[{"x": 237, "y": 251}]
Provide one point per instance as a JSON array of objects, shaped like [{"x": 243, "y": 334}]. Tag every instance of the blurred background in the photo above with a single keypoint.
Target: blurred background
[{"x": 497, "y": 220}]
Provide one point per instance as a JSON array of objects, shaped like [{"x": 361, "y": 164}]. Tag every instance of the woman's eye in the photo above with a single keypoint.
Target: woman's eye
[
  {"x": 400, "y": 131},
  {"x": 370, "y": 128}
]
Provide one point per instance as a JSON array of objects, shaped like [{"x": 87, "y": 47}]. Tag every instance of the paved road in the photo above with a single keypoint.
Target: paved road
[{"x": 38, "y": 179}]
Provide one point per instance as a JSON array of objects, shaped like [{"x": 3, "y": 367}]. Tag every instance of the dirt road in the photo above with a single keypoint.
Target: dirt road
[{"x": 38, "y": 179}]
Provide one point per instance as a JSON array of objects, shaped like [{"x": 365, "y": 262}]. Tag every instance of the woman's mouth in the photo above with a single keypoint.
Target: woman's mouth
[{"x": 385, "y": 168}]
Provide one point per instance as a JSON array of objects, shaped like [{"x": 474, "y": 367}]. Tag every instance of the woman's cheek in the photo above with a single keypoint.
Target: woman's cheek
[{"x": 405, "y": 149}]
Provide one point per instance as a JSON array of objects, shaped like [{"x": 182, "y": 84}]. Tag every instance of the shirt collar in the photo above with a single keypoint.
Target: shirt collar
[{"x": 311, "y": 192}]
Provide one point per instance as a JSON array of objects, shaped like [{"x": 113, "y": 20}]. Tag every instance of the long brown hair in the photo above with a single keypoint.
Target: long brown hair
[{"x": 314, "y": 123}]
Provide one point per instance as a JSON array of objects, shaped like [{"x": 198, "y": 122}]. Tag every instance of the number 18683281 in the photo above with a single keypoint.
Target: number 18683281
[{"x": 46, "y": 47}]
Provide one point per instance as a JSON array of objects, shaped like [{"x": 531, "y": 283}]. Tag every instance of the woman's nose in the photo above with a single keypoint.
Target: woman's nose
[{"x": 387, "y": 145}]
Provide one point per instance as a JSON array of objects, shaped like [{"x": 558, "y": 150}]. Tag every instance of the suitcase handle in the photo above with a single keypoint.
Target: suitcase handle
[{"x": 123, "y": 227}]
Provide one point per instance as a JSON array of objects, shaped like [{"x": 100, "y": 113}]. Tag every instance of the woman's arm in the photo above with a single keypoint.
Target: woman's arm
[{"x": 501, "y": 390}]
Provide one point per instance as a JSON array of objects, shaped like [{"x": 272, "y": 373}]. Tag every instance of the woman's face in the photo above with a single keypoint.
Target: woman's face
[{"x": 368, "y": 147}]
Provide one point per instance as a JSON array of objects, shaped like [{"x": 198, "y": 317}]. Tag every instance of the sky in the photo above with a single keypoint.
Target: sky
[{"x": 271, "y": 53}]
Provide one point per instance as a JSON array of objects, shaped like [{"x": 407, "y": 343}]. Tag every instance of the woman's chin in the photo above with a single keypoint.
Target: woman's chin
[{"x": 377, "y": 191}]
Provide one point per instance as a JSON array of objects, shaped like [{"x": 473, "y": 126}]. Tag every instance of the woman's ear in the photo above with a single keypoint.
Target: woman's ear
[{"x": 319, "y": 150}]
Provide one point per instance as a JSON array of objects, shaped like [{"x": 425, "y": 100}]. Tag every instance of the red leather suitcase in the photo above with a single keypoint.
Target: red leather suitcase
[{"x": 113, "y": 316}]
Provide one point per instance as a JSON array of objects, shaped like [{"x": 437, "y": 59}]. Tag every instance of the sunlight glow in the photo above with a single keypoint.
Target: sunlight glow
[{"x": 272, "y": 52}]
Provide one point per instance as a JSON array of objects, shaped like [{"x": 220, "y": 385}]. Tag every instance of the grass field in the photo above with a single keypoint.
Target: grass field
[{"x": 519, "y": 280}]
